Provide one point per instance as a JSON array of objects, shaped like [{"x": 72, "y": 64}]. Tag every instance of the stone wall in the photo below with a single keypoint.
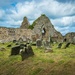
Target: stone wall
[{"x": 9, "y": 34}]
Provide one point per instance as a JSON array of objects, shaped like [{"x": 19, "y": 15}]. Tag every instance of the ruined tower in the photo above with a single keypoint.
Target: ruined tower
[{"x": 25, "y": 24}]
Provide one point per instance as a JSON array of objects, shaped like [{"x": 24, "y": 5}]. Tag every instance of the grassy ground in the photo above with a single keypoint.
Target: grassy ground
[{"x": 60, "y": 62}]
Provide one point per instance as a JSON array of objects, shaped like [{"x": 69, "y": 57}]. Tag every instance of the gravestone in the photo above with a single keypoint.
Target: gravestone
[
  {"x": 67, "y": 45},
  {"x": 38, "y": 43},
  {"x": 59, "y": 45},
  {"x": 30, "y": 50},
  {"x": 27, "y": 52},
  {"x": 46, "y": 44},
  {"x": 15, "y": 50}
]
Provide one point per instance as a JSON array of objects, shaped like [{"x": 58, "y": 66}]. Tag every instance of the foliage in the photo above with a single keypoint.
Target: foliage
[
  {"x": 31, "y": 27},
  {"x": 43, "y": 15}
]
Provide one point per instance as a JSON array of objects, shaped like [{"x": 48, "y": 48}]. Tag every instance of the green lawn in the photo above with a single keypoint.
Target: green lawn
[{"x": 59, "y": 62}]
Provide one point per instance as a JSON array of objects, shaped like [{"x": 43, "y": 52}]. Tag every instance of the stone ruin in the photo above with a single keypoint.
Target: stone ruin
[
  {"x": 70, "y": 37},
  {"x": 39, "y": 25},
  {"x": 25, "y": 23},
  {"x": 42, "y": 33}
]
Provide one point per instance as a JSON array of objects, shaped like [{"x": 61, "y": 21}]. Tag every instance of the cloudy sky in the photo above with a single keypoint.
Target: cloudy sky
[{"x": 60, "y": 12}]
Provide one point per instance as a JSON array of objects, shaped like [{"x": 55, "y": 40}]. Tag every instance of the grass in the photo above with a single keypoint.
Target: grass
[{"x": 60, "y": 62}]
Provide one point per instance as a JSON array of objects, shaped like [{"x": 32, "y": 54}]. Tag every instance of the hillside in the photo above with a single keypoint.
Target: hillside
[{"x": 60, "y": 62}]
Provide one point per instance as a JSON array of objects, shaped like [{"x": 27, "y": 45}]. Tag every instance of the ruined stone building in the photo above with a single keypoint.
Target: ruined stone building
[
  {"x": 70, "y": 37},
  {"x": 44, "y": 22},
  {"x": 9, "y": 34}
]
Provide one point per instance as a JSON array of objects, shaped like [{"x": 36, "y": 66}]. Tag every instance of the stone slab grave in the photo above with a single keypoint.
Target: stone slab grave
[
  {"x": 59, "y": 45},
  {"x": 67, "y": 45},
  {"x": 15, "y": 50},
  {"x": 38, "y": 42},
  {"x": 28, "y": 51}
]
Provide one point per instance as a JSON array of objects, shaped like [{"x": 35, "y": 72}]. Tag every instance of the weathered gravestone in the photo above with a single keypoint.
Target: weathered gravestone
[
  {"x": 38, "y": 43},
  {"x": 15, "y": 50},
  {"x": 59, "y": 45},
  {"x": 47, "y": 46},
  {"x": 30, "y": 50},
  {"x": 27, "y": 52},
  {"x": 67, "y": 45}
]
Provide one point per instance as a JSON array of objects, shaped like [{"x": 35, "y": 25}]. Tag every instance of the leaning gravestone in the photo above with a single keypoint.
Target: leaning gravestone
[
  {"x": 15, "y": 50},
  {"x": 67, "y": 45},
  {"x": 27, "y": 52},
  {"x": 30, "y": 50},
  {"x": 38, "y": 43}
]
